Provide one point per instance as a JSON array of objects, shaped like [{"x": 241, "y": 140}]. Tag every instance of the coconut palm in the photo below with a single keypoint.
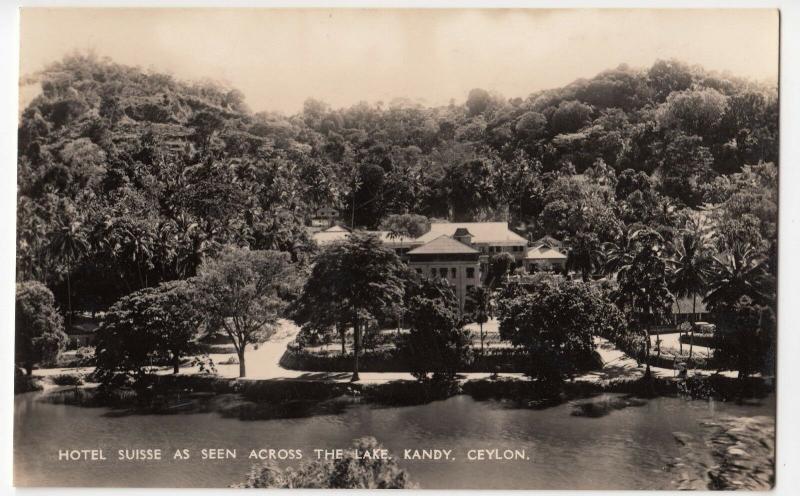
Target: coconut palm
[
  {"x": 620, "y": 254},
  {"x": 690, "y": 271},
  {"x": 68, "y": 243},
  {"x": 479, "y": 307},
  {"x": 739, "y": 272},
  {"x": 642, "y": 273}
]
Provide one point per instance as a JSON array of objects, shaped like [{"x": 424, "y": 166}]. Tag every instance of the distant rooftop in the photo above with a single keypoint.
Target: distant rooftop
[
  {"x": 442, "y": 245},
  {"x": 331, "y": 234},
  {"x": 544, "y": 252},
  {"x": 496, "y": 233}
]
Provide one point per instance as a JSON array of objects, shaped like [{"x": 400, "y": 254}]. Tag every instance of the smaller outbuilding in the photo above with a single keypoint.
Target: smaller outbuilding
[{"x": 544, "y": 257}]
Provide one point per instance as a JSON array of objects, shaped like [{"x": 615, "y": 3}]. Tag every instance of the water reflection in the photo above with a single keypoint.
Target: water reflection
[{"x": 628, "y": 448}]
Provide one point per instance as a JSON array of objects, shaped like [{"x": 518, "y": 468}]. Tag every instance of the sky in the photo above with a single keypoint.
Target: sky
[{"x": 279, "y": 58}]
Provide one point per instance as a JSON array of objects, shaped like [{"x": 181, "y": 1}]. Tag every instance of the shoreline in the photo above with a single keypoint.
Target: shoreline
[{"x": 170, "y": 393}]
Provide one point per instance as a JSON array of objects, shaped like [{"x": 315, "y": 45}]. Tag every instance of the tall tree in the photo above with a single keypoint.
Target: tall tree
[
  {"x": 351, "y": 281},
  {"x": 555, "y": 323},
  {"x": 478, "y": 308},
  {"x": 173, "y": 316},
  {"x": 690, "y": 270},
  {"x": 244, "y": 293},
  {"x": 152, "y": 325},
  {"x": 643, "y": 288},
  {"x": 68, "y": 243},
  {"x": 39, "y": 334}
]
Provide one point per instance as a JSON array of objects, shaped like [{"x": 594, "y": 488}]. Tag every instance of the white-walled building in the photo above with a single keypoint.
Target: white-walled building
[
  {"x": 459, "y": 252},
  {"x": 544, "y": 257},
  {"x": 450, "y": 259}
]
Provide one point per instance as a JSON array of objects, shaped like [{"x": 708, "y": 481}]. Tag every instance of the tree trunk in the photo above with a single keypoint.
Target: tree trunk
[
  {"x": 29, "y": 369},
  {"x": 481, "y": 325},
  {"x": 176, "y": 362},
  {"x": 691, "y": 331},
  {"x": 69, "y": 301},
  {"x": 356, "y": 349},
  {"x": 658, "y": 346},
  {"x": 242, "y": 372},
  {"x": 647, "y": 354}
]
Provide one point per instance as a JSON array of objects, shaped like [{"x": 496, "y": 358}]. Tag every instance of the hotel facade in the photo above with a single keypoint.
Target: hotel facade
[{"x": 459, "y": 252}]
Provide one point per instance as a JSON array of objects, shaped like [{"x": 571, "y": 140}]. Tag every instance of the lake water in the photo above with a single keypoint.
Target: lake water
[{"x": 631, "y": 448}]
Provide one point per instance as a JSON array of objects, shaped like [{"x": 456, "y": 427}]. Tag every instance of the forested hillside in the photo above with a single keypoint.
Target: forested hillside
[{"x": 128, "y": 178}]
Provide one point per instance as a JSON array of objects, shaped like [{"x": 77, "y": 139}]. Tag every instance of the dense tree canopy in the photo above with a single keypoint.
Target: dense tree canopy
[
  {"x": 556, "y": 323},
  {"x": 130, "y": 178},
  {"x": 352, "y": 282}
]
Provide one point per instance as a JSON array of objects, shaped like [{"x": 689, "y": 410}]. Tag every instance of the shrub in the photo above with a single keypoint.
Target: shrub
[
  {"x": 26, "y": 384},
  {"x": 85, "y": 356},
  {"x": 706, "y": 340},
  {"x": 67, "y": 380},
  {"x": 349, "y": 472},
  {"x": 436, "y": 343}
]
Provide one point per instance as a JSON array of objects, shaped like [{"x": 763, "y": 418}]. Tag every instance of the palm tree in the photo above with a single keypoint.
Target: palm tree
[
  {"x": 67, "y": 244},
  {"x": 479, "y": 307},
  {"x": 740, "y": 272},
  {"x": 642, "y": 274},
  {"x": 689, "y": 272},
  {"x": 615, "y": 256}
]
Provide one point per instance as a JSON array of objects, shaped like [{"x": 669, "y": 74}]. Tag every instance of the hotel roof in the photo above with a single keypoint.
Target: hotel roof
[
  {"x": 544, "y": 252},
  {"x": 331, "y": 234},
  {"x": 496, "y": 233},
  {"x": 441, "y": 245}
]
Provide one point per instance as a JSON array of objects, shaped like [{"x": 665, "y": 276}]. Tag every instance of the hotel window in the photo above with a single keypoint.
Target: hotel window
[
  {"x": 453, "y": 272},
  {"x": 470, "y": 272},
  {"x": 443, "y": 272},
  {"x": 433, "y": 272}
]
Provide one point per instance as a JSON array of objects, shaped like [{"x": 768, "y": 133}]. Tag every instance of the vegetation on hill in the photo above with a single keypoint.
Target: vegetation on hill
[{"x": 128, "y": 178}]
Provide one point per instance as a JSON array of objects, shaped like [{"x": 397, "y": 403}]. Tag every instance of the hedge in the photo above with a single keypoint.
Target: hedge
[
  {"x": 492, "y": 360},
  {"x": 707, "y": 340}
]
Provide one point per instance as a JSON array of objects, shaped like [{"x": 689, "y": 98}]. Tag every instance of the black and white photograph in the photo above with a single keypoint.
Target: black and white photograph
[{"x": 376, "y": 248}]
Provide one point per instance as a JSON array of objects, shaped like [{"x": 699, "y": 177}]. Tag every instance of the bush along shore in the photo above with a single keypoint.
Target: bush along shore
[{"x": 259, "y": 399}]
